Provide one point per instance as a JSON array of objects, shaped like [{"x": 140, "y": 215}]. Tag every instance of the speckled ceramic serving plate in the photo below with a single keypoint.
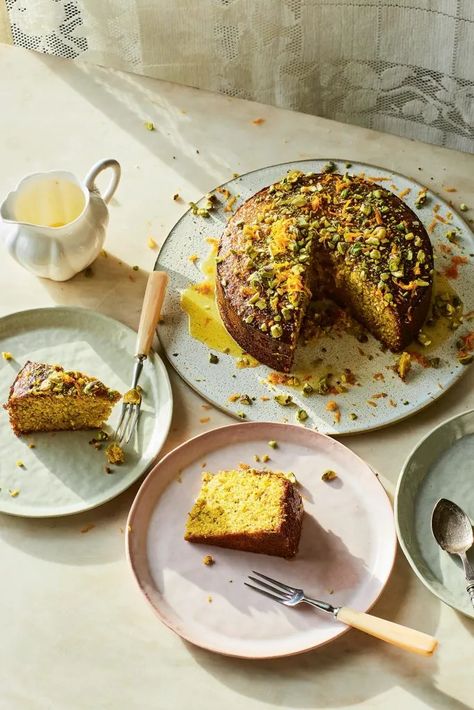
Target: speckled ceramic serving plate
[
  {"x": 390, "y": 399},
  {"x": 441, "y": 466},
  {"x": 63, "y": 474},
  {"x": 346, "y": 550}
]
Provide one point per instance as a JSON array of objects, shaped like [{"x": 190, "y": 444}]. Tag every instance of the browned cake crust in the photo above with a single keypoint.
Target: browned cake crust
[
  {"x": 339, "y": 242},
  {"x": 282, "y": 542},
  {"x": 46, "y": 389}
]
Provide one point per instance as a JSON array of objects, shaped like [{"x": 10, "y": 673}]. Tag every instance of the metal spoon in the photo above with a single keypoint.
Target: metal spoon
[{"x": 452, "y": 530}]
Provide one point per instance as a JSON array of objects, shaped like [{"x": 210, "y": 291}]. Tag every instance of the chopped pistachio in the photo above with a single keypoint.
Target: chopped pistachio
[
  {"x": 273, "y": 444},
  {"x": 245, "y": 399},
  {"x": 284, "y": 399},
  {"x": 276, "y": 331},
  {"x": 213, "y": 359},
  {"x": 330, "y": 167},
  {"x": 301, "y": 415},
  {"x": 323, "y": 385},
  {"x": 463, "y": 207},
  {"x": 149, "y": 125},
  {"x": 7, "y": 356},
  {"x": 329, "y": 475},
  {"x": 353, "y": 416},
  {"x": 307, "y": 389}
]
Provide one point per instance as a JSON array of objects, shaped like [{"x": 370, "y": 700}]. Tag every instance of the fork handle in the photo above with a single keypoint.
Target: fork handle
[
  {"x": 151, "y": 309},
  {"x": 396, "y": 634}
]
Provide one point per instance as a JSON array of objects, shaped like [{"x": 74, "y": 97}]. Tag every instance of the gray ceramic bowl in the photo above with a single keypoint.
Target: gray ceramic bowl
[{"x": 441, "y": 466}]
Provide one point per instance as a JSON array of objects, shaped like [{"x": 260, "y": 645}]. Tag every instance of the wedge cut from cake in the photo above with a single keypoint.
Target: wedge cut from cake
[
  {"x": 49, "y": 398},
  {"x": 251, "y": 510}
]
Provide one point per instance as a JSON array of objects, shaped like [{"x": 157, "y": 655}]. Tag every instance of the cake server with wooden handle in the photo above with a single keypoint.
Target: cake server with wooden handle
[
  {"x": 396, "y": 634},
  {"x": 150, "y": 315}
]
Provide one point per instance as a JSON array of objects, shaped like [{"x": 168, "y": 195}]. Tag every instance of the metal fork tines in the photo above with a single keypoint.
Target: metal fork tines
[
  {"x": 284, "y": 594},
  {"x": 130, "y": 410}
]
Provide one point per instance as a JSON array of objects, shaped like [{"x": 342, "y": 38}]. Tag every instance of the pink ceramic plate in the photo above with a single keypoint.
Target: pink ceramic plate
[{"x": 346, "y": 552}]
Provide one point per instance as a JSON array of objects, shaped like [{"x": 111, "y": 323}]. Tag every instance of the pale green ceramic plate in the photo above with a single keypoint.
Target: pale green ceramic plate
[
  {"x": 441, "y": 466},
  {"x": 63, "y": 474}
]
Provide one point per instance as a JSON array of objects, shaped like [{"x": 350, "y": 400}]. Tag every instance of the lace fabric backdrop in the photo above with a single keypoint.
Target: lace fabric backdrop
[{"x": 405, "y": 67}]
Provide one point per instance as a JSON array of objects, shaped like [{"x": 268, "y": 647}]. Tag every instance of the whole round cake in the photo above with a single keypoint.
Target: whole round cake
[{"x": 322, "y": 235}]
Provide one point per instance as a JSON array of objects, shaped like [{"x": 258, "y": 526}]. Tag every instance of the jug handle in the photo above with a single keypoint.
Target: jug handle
[{"x": 113, "y": 184}]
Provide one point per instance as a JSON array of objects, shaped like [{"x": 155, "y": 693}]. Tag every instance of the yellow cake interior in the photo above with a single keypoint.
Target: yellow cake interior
[
  {"x": 237, "y": 501},
  {"x": 53, "y": 413}
]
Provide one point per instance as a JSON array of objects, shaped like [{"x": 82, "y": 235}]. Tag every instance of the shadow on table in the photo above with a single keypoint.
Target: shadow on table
[
  {"x": 74, "y": 539},
  {"x": 109, "y": 286},
  {"x": 129, "y": 100},
  {"x": 466, "y": 622},
  {"x": 375, "y": 666}
]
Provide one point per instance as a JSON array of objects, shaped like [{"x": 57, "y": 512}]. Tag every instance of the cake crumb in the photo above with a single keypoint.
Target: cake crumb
[
  {"x": 129, "y": 528},
  {"x": 88, "y": 527},
  {"x": 208, "y": 560},
  {"x": 108, "y": 469},
  {"x": 329, "y": 475},
  {"x": 403, "y": 365},
  {"x": 151, "y": 243},
  {"x": 258, "y": 121},
  {"x": 204, "y": 420},
  {"x": 115, "y": 454},
  {"x": 193, "y": 258},
  {"x": 7, "y": 356}
]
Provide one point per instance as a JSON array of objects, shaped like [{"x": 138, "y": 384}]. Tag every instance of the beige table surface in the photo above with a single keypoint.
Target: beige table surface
[{"x": 74, "y": 630}]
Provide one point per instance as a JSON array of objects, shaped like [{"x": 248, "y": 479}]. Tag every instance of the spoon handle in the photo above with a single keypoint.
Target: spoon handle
[
  {"x": 469, "y": 575},
  {"x": 470, "y": 591}
]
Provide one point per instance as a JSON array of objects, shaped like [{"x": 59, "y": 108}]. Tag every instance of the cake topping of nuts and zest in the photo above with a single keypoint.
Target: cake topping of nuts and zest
[{"x": 346, "y": 213}]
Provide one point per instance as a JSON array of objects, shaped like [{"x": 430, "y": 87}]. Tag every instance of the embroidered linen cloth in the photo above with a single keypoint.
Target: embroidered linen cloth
[{"x": 405, "y": 66}]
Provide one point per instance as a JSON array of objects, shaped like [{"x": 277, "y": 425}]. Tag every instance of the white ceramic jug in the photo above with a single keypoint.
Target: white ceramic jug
[{"x": 54, "y": 225}]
